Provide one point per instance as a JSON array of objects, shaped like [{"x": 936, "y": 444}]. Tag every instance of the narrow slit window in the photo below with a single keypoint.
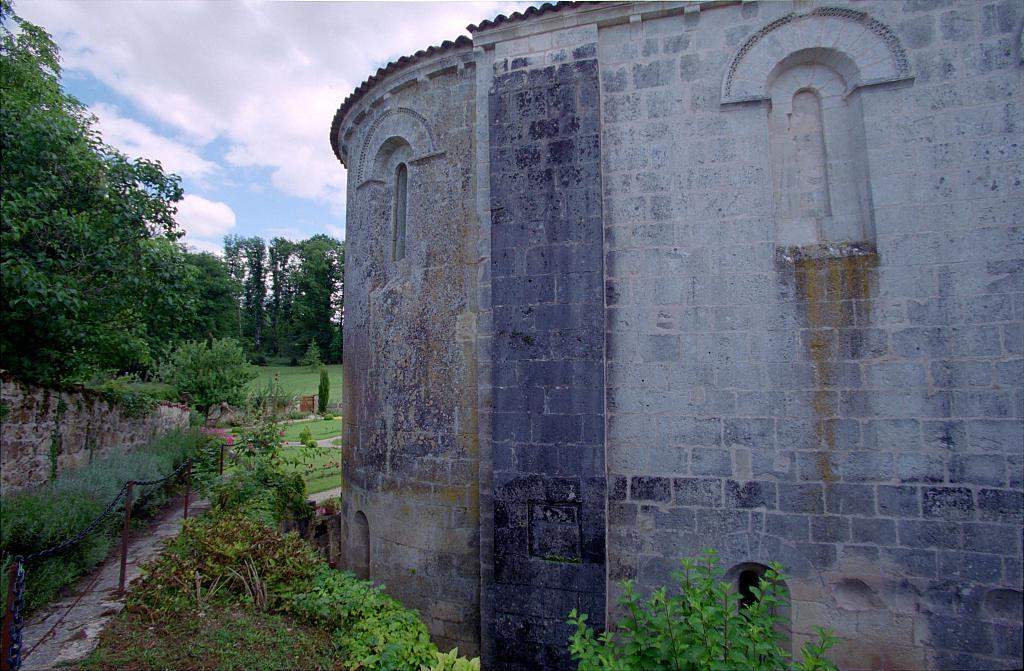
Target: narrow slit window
[{"x": 401, "y": 205}]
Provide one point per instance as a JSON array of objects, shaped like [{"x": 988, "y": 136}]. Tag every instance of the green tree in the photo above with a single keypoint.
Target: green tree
[
  {"x": 91, "y": 273},
  {"x": 319, "y": 292},
  {"x": 215, "y": 293},
  {"x": 281, "y": 258},
  {"x": 209, "y": 372},
  {"x": 312, "y": 356},
  {"x": 247, "y": 259},
  {"x": 324, "y": 392}
]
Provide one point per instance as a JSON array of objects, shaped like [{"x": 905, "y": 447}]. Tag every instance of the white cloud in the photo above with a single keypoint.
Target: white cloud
[
  {"x": 266, "y": 78},
  {"x": 335, "y": 231},
  {"x": 205, "y": 222},
  {"x": 140, "y": 141}
]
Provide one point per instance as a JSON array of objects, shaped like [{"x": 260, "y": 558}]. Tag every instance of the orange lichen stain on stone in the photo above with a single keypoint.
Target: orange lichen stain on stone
[{"x": 828, "y": 289}]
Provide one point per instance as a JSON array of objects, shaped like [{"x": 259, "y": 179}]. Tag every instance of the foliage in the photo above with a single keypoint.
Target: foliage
[
  {"x": 269, "y": 399},
  {"x": 215, "y": 548},
  {"x": 702, "y": 628},
  {"x": 210, "y": 372},
  {"x": 329, "y": 506},
  {"x": 247, "y": 261},
  {"x": 215, "y": 294},
  {"x": 450, "y": 661},
  {"x": 305, "y": 294},
  {"x": 324, "y": 391},
  {"x": 36, "y": 519},
  {"x": 262, "y": 478},
  {"x": 306, "y": 438},
  {"x": 94, "y": 280},
  {"x": 134, "y": 398},
  {"x": 372, "y": 630},
  {"x": 312, "y": 356},
  {"x": 220, "y": 561},
  {"x": 318, "y": 283},
  {"x": 281, "y": 252}
]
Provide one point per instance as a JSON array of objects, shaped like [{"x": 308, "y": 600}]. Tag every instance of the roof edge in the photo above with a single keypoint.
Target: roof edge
[
  {"x": 528, "y": 13},
  {"x": 392, "y": 67}
]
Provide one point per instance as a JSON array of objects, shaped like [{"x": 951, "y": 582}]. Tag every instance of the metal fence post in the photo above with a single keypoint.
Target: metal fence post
[
  {"x": 188, "y": 489},
  {"x": 124, "y": 538},
  {"x": 8, "y": 633}
]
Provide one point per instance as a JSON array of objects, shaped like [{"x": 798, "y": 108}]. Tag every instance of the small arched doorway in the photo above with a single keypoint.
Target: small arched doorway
[{"x": 744, "y": 577}]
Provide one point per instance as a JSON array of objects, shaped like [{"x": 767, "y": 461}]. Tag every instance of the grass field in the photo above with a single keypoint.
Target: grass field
[
  {"x": 319, "y": 428},
  {"x": 300, "y": 380},
  {"x": 321, "y": 472}
]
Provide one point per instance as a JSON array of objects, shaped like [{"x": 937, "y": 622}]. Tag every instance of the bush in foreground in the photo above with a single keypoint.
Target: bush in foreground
[
  {"x": 40, "y": 518},
  {"x": 227, "y": 567},
  {"x": 702, "y": 628}
]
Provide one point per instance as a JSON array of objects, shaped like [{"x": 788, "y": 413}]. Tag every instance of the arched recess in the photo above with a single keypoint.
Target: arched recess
[
  {"x": 743, "y": 577},
  {"x": 399, "y": 123},
  {"x": 863, "y": 50},
  {"x": 809, "y": 66},
  {"x": 361, "y": 546}
]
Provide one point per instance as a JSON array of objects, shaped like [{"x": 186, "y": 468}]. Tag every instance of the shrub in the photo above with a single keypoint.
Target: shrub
[
  {"x": 306, "y": 438},
  {"x": 226, "y": 558},
  {"x": 324, "y": 392},
  {"x": 255, "y": 482},
  {"x": 134, "y": 398},
  {"x": 36, "y": 519},
  {"x": 312, "y": 356},
  {"x": 208, "y": 558},
  {"x": 450, "y": 661},
  {"x": 269, "y": 399},
  {"x": 701, "y": 628},
  {"x": 209, "y": 372},
  {"x": 374, "y": 631}
]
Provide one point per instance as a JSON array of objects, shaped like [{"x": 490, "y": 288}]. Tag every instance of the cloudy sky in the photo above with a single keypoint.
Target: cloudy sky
[{"x": 237, "y": 97}]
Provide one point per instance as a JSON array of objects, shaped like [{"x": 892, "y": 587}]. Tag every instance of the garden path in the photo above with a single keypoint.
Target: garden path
[{"x": 96, "y": 597}]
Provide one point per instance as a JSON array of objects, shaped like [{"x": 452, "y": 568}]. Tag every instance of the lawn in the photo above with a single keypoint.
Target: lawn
[
  {"x": 300, "y": 380},
  {"x": 323, "y": 470},
  {"x": 319, "y": 428}
]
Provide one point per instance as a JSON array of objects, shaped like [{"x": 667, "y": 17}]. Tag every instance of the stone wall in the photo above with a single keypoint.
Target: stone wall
[
  {"x": 808, "y": 346},
  {"x": 43, "y": 430},
  {"x": 410, "y": 454},
  {"x": 548, "y": 374},
  {"x": 853, "y": 411}
]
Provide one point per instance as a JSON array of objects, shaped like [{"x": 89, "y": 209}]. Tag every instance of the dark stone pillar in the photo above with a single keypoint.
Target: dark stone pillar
[{"x": 548, "y": 422}]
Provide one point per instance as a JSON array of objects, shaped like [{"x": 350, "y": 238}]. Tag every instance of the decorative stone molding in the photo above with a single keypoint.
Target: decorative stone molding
[
  {"x": 400, "y": 122},
  {"x": 864, "y": 50}
]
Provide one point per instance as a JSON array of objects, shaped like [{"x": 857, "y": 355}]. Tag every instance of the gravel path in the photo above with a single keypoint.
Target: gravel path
[{"x": 96, "y": 594}]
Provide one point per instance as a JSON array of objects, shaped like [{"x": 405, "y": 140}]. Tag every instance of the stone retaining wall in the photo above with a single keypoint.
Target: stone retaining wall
[{"x": 44, "y": 431}]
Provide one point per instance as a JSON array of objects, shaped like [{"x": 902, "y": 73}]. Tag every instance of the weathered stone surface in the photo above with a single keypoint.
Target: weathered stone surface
[
  {"x": 43, "y": 432},
  {"x": 749, "y": 276}
]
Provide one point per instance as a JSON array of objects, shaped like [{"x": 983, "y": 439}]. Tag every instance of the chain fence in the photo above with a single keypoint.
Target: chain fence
[{"x": 11, "y": 657}]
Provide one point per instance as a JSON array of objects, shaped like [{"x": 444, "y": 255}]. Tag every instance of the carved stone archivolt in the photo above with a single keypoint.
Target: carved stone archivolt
[
  {"x": 399, "y": 123},
  {"x": 864, "y": 50}
]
